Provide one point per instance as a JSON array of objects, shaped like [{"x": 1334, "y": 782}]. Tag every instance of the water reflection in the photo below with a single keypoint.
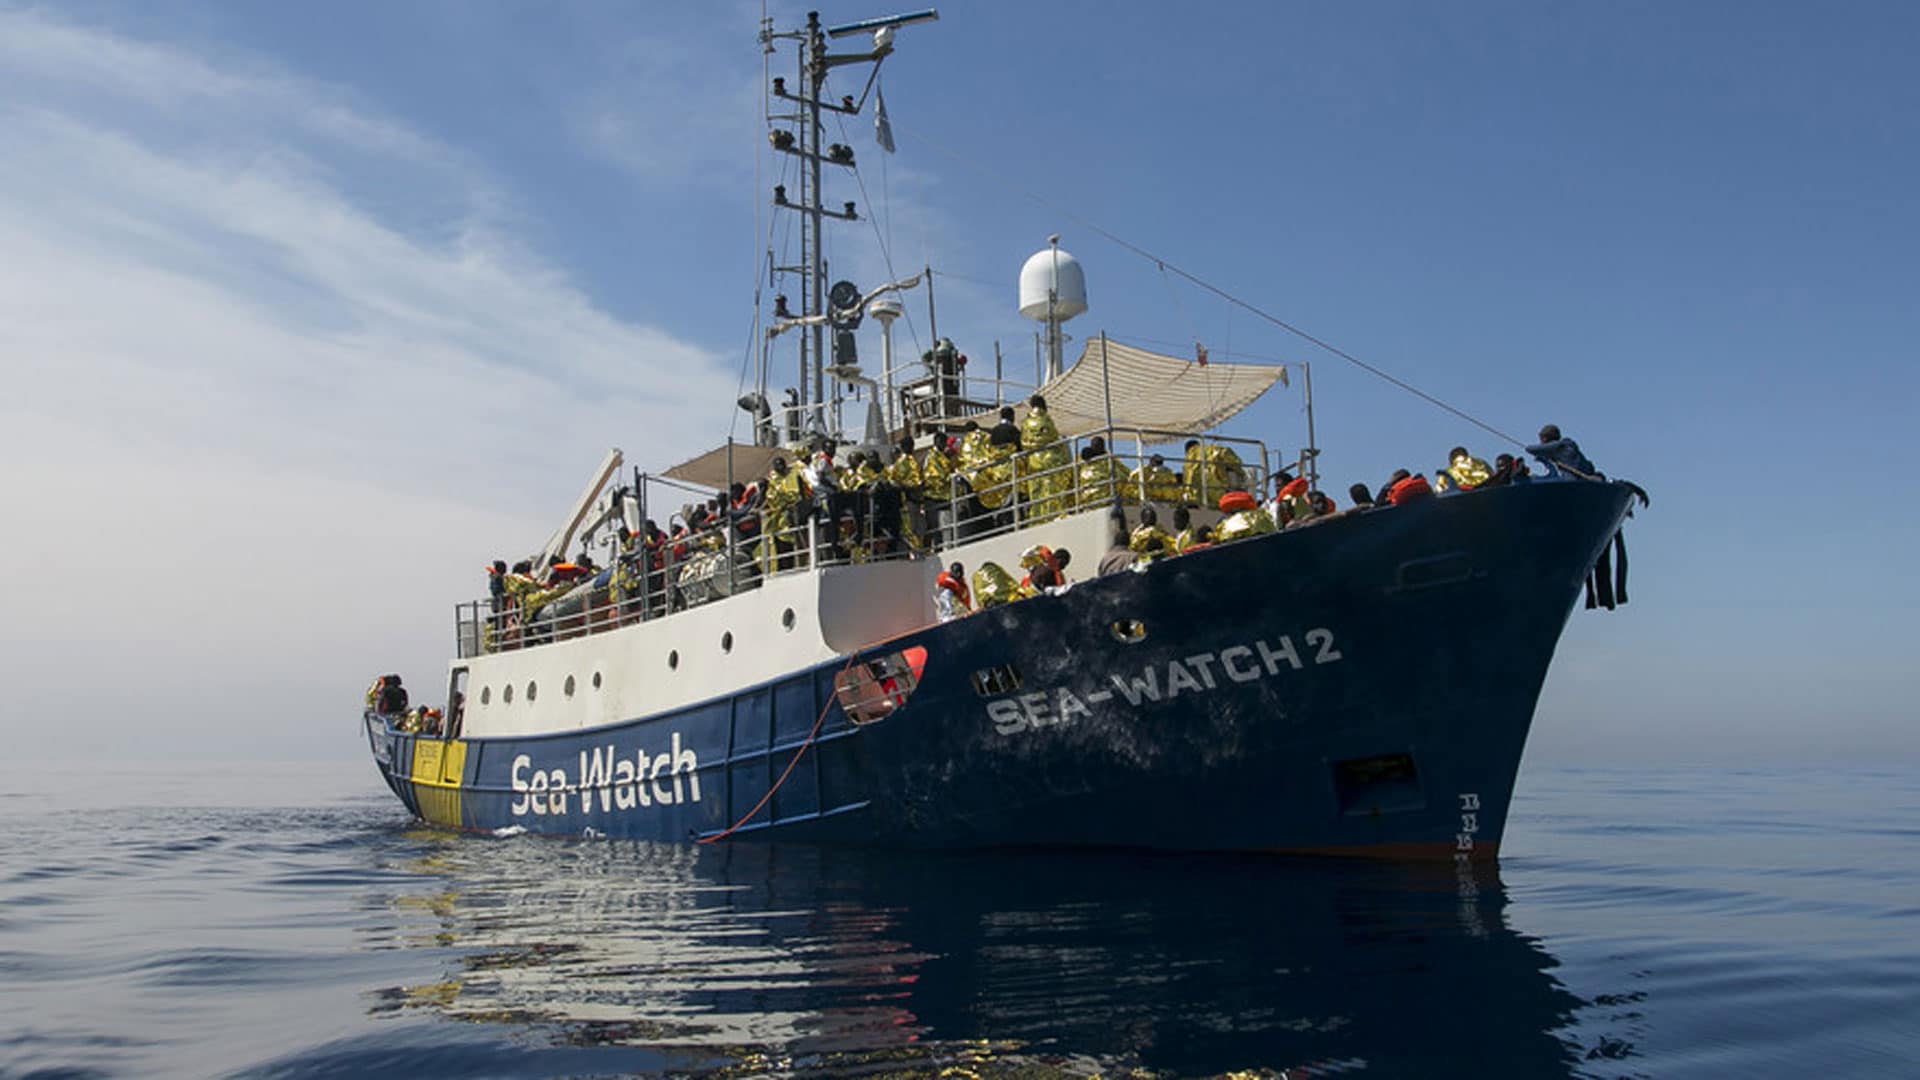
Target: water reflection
[{"x": 748, "y": 958}]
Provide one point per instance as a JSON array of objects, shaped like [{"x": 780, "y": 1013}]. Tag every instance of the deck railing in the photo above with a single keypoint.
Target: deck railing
[{"x": 694, "y": 567}]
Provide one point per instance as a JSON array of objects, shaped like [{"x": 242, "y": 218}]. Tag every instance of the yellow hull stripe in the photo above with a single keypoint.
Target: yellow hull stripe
[{"x": 437, "y": 769}]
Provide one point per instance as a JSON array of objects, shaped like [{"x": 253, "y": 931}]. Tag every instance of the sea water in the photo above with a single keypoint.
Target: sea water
[{"x": 292, "y": 922}]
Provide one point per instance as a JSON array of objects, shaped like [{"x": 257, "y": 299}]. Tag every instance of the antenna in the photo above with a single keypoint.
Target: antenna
[{"x": 805, "y": 142}]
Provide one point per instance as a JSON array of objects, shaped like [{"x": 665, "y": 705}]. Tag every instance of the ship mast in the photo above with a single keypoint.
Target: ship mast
[{"x": 805, "y": 142}]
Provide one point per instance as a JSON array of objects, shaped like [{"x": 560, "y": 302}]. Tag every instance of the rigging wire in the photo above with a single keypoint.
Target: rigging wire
[
  {"x": 886, "y": 249},
  {"x": 1216, "y": 290}
]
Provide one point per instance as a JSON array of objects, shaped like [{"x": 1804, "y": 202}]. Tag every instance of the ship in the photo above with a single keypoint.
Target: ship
[{"x": 1361, "y": 683}]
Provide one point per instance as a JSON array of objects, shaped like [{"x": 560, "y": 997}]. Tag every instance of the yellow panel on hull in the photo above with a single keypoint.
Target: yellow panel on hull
[{"x": 437, "y": 770}]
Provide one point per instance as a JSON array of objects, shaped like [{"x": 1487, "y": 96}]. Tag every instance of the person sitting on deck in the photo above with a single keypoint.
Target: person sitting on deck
[
  {"x": 993, "y": 586},
  {"x": 1507, "y": 470},
  {"x": 1291, "y": 505},
  {"x": 1244, "y": 518},
  {"x": 1361, "y": 497},
  {"x": 1149, "y": 540},
  {"x": 1153, "y": 482},
  {"x": 1041, "y": 557},
  {"x": 951, "y": 599},
  {"x": 1463, "y": 471},
  {"x": 1406, "y": 487},
  {"x": 1185, "y": 536},
  {"x": 1210, "y": 471},
  {"x": 1118, "y": 556}
]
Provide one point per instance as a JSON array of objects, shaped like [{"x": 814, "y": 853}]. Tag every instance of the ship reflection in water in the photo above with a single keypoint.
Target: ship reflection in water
[{"x": 748, "y": 959}]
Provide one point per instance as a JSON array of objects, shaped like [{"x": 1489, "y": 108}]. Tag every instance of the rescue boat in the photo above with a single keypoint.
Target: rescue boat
[{"x": 1360, "y": 683}]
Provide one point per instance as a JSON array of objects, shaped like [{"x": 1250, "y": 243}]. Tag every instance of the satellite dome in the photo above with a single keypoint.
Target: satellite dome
[{"x": 1052, "y": 271}]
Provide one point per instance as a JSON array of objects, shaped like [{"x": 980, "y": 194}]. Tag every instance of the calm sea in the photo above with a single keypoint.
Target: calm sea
[{"x": 1758, "y": 923}]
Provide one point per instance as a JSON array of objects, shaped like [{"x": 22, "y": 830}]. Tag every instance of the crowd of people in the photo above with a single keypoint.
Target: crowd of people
[
  {"x": 812, "y": 507},
  {"x": 1293, "y": 504},
  {"x": 387, "y": 698}
]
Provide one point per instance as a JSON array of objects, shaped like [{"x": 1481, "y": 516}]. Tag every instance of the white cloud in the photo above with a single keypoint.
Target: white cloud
[{"x": 256, "y": 431}]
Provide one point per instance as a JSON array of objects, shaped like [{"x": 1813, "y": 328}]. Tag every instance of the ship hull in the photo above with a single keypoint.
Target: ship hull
[{"x": 1363, "y": 685}]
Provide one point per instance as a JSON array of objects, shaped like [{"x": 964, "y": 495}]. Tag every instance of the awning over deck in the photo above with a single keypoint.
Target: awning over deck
[
  {"x": 750, "y": 463},
  {"x": 1151, "y": 392}
]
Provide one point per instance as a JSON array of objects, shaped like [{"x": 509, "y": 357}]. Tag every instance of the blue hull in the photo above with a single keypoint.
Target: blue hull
[{"x": 1364, "y": 685}]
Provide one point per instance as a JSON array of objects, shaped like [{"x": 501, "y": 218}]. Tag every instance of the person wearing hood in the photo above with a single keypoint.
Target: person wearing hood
[
  {"x": 1100, "y": 477},
  {"x": 1047, "y": 478},
  {"x": 993, "y": 586}
]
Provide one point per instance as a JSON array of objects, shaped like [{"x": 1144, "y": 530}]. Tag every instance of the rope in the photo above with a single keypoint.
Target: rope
[
  {"x": 1244, "y": 305},
  {"x": 797, "y": 755}
]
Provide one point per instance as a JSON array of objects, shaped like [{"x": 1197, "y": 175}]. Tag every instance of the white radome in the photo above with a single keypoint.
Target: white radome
[{"x": 1052, "y": 270}]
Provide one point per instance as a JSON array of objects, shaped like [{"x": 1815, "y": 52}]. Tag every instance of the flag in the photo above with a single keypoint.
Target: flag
[{"x": 882, "y": 130}]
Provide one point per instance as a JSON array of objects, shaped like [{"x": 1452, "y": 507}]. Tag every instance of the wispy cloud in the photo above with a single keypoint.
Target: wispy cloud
[{"x": 278, "y": 378}]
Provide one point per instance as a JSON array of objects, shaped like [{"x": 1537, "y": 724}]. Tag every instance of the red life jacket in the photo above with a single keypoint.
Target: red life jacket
[
  {"x": 955, "y": 586},
  {"x": 1235, "y": 501},
  {"x": 1296, "y": 486}
]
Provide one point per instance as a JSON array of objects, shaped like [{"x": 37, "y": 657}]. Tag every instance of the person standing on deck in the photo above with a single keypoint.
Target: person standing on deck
[
  {"x": 1558, "y": 453},
  {"x": 786, "y": 492},
  {"x": 1047, "y": 482},
  {"x": 903, "y": 472},
  {"x": 1100, "y": 477}
]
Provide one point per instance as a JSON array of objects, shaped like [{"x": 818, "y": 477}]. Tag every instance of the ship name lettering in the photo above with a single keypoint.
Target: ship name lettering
[
  {"x": 1196, "y": 674},
  {"x": 609, "y": 781}
]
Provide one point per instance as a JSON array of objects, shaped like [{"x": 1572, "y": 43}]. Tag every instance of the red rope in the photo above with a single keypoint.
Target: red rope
[{"x": 797, "y": 755}]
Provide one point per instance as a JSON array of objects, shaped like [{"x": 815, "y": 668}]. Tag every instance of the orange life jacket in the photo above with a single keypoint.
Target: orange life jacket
[
  {"x": 1413, "y": 487},
  {"x": 955, "y": 586}
]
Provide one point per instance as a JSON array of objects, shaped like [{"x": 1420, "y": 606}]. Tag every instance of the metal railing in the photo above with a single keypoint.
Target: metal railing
[{"x": 684, "y": 567}]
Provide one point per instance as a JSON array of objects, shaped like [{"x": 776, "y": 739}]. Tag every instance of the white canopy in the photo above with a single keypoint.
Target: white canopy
[
  {"x": 1150, "y": 392},
  {"x": 750, "y": 463}
]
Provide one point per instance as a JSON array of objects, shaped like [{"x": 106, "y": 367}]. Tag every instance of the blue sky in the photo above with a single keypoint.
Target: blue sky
[{"x": 312, "y": 310}]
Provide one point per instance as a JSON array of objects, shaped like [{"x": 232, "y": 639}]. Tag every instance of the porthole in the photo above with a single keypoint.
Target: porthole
[
  {"x": 1128, "y": 631},
  {"x": 673, "y": 659},
  {"x": 726, "y": 642},
  {"x": 596, "y": 680},
  {"x": 567, "y": 688},
  {"x": 531, "y": 690},
  {"x": 786, "y": 619},
  {"x": 486, "y": 695},
  {"x": 506, "y": 694}
]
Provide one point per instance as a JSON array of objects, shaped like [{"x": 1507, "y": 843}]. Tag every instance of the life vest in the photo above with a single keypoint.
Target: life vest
[
  {"x": 1413, "y": 487},
  {"x": 955, "y": 586},
  {"x": 1234, "y": 502}
]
